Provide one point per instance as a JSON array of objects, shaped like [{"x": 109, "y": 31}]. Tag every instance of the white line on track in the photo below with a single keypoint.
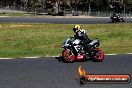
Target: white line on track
[
  {"x": 129, "y": 53},
  {"x": 6, "y": 58},
  {"x": 111, "y": 54},
  {"x": 53, "y": 56},
  {"x": 30, "y": 57}
]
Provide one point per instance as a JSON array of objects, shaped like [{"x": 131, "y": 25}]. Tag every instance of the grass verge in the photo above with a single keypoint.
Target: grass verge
[
  {"x": 21, "y": 14},
  {"x": 34, "y": 39},
  {"x": 11, "y": 14}
]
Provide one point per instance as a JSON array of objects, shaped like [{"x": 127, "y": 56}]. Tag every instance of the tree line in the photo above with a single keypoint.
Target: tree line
[{"x": 56, "y": 6}]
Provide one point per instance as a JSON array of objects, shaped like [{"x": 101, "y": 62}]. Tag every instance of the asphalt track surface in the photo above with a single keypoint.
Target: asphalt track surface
[
  {"x": 50, "y": 73},
  {"x": 61, "y": 20}
]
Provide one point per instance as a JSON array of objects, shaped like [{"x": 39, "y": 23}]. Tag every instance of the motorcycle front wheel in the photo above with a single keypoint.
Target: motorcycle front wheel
[
  {"x": 68, "y": 56},
  {"x": 98, "y": 55}
]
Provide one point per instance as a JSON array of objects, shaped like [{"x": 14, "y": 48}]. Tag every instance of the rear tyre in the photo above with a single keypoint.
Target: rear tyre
[
  {"x": 113, "y": 20},
  {"x": 98, "y": 56},
  {"x": 68, "y": 56}
]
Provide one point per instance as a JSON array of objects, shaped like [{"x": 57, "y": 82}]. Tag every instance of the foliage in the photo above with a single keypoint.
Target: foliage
[{"x": 97, "y": 5}]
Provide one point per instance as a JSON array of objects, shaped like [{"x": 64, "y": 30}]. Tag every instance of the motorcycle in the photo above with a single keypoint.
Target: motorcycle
[
  {"x": 72, "y": 46},
  {"x": 116, "y": 19}
]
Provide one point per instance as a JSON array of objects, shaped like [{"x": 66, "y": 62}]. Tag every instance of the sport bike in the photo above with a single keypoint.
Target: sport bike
[
  {"x": 116, "y": 19},
  {"x": 74, "y": 51}
]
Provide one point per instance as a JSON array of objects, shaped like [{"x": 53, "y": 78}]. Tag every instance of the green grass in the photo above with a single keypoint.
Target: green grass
[
  {"x": 33, "y": 39},
  {"x": 20, "y": 14},
  {"x": 11, "y": 14}
]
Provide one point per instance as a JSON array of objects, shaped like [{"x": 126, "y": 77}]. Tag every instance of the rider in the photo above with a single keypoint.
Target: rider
[
  {"x": 81, "y": 35},
  {"x": 116, "y": 15}
]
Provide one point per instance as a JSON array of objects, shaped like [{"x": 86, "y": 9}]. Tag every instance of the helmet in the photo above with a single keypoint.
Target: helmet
[{"x": 76, "y": 28}]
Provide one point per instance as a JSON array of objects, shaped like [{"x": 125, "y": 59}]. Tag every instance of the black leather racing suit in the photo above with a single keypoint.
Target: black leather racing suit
[{"x": 81, "y": 35}]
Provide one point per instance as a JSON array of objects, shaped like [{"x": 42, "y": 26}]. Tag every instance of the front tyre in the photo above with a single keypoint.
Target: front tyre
[
  {"x": 98, "y": 55},
  {"x": 122, "y": 20},
  {"x": 68, "y": 56}
]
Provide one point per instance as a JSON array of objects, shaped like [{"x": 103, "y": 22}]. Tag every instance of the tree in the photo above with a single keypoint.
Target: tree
[
  {"x": 24, "y": 3},
  {"x": 97, "y": 5},
  {"x": 38, "y": 7}
]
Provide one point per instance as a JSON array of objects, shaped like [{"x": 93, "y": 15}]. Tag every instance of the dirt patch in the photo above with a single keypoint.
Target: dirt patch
[
  {"x": 0, "y": 26},
  {"x": 57, "y": 46}
]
